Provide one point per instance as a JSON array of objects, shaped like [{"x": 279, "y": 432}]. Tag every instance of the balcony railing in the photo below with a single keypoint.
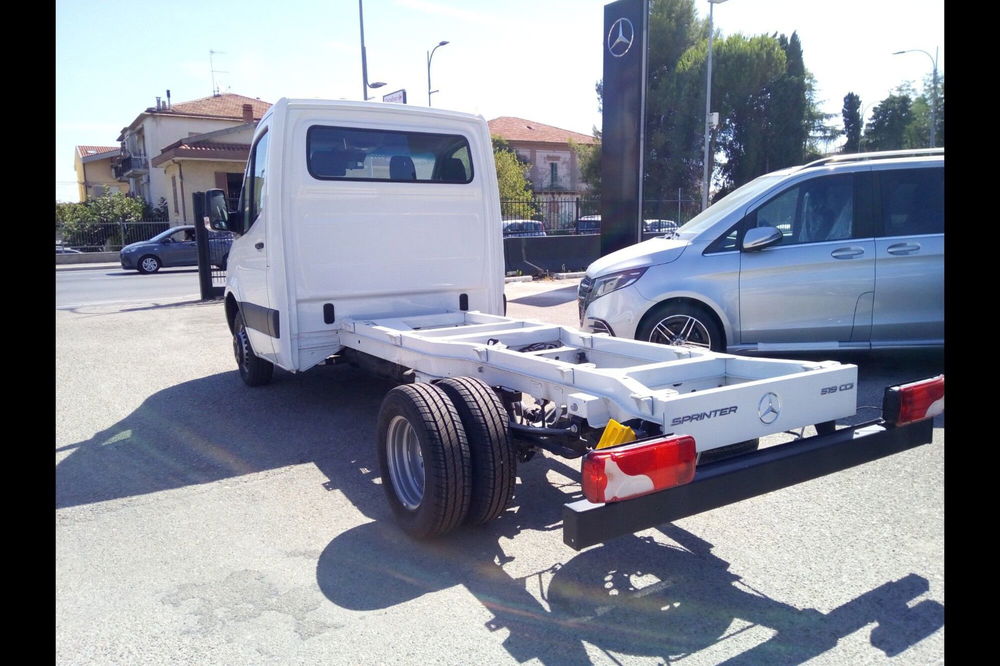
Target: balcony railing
[{"x": 130, "y": 165}]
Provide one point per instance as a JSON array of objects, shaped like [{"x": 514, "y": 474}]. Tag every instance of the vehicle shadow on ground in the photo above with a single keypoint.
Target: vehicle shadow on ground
[
  {"x": 634, "y": 595},
  {"x": 215, "y": 428},
  {"x": 548, "y": 298}
]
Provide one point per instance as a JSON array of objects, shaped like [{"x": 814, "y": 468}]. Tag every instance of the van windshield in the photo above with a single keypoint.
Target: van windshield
[{"x": 738, "y": 198}]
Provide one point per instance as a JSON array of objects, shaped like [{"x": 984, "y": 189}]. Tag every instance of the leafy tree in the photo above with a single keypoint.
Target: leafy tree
[
  {"x": 887, "y": 129},
  {"x": 675, "y": 98},
  {"x": 751, "y": 71},
  {"x": 101, "y": 221},
  {"x": 512, "y": 178},
  {"x": 917, "y": 133},
  {"x": 588, "y": 157},
  {"x": 852, "y": 123}
]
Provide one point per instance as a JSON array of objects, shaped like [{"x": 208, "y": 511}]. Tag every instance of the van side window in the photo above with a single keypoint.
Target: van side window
[
  {"x": 351, "y": 153},
  {"x": 814, "y": 211},
  {"x": 912, "y": 201}
]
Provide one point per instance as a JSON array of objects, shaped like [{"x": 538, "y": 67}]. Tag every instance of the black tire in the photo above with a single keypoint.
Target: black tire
[
  {"x": 681, "y": 324},
  {"x": 254, "y": 370},
  {"x": 728, "y": 451},
  {"x": 148, "y": 264},
  {"x": 423, "y": 456},
  {"x": 494, "y": 468}
]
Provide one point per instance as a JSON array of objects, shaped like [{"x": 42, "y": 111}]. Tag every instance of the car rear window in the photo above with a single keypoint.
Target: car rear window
[{"x": 351, "y": 153}]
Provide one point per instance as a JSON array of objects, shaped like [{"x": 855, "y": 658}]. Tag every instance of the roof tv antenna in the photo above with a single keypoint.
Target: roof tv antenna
[{"x": 211, "y": 63}]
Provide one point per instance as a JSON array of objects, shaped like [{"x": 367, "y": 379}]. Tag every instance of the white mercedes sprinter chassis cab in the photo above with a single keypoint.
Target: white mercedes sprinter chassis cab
[{"x": 370, "y": 233}]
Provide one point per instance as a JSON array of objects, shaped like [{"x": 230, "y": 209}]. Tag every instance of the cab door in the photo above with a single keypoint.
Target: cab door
[
  {"x": 814, "y": 287},
  {"x": 248, "y": 257}
]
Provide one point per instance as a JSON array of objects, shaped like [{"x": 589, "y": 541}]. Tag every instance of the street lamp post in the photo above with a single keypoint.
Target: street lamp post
[
  {"x": 430, "y": 54},
  {"x": 364, "y": 59},
  {"x": 708, "y": 106},
  {"x": 934, "y": 79}
]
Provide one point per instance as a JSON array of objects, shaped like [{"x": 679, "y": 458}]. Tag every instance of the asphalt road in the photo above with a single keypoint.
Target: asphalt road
[
  {"x": 80, "y": 285},
  {"x": 201, "y": 522}
]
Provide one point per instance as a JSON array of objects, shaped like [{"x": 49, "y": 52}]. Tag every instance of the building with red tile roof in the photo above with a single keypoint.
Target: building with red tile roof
[
  {"x": 554, "y": 167},
  {"x": 554, "y": 172},
  {"x": 93, "y": 166},
  {"x": 172, "y": 150}
]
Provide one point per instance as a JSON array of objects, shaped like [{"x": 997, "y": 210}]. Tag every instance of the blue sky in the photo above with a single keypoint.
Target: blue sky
[{"x": 535, "y": 59}]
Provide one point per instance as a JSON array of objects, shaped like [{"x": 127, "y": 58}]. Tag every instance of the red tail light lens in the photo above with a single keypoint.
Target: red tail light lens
[
  {"x": 633, "y": 470},
  {"x": 916, "y": 401}
]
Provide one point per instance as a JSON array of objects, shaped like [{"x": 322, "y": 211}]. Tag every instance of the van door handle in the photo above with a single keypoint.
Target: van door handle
[
  {"x": 847, "y": 252},
  {"x": 259, "y": 245},
  {"x": 903, "y": 248}
]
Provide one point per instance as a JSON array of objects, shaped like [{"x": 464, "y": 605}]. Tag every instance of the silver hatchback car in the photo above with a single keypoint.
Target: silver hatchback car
[{"x": 843, "y": 253}]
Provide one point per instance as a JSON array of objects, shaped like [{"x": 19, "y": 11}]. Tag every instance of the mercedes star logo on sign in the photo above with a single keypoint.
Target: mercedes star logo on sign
[
  {"x": 768, "y": 408},
  {"x": 620, "y": 37}
]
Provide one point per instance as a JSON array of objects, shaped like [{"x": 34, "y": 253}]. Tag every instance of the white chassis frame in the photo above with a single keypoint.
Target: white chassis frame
[{"x": 716, "y": 398}]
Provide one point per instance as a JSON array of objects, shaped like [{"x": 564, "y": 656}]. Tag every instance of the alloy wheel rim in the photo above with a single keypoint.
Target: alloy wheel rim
[
  {"x": 406, "y": 462},
  {"x": 683, "y": 331}
]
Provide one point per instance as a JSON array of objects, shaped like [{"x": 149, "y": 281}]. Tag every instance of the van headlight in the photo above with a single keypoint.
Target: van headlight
[{"x": 615, "y": 281}]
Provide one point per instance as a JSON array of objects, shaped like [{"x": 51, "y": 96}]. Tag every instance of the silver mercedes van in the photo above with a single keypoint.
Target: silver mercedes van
[{"x": 846, "y": 252}]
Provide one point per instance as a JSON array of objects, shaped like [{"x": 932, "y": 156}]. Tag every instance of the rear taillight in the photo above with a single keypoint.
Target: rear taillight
[
  {"x": 912, "y": 402},
  {"x": 638, "y": 469}
]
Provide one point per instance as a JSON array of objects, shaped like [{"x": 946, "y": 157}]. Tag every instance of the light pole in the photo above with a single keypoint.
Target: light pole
[
  {"x": 708, "y": 106},
  {"x": 430, "y": 54},
  {"x": 934, "y": 62},
  {"x": 364, "y": 58}
]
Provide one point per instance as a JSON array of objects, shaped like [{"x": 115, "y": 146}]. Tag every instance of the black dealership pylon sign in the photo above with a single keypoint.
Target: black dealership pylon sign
[{"x": 624, "y": 102}]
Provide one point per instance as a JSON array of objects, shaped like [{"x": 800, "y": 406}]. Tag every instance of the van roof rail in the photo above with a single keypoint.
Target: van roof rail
[{"x": 880, "y": 155}]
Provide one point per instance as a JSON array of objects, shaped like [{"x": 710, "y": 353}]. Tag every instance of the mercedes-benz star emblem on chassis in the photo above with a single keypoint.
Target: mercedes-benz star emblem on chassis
[
  {"x": 620, "y": 37},
  {"x": 768, "y": 408}
]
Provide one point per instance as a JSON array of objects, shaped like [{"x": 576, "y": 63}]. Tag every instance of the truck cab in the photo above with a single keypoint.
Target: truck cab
[{"x": 352, "y": 210}]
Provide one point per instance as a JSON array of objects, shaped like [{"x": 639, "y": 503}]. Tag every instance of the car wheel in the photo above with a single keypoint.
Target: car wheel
[
  {"x": 681, "y": 324},
  {"x": 423, "y": 456},
  {"x": 491, "y": 452},
  {"x": 254, "y": 370},
  {"x": 149, "y": 264}
]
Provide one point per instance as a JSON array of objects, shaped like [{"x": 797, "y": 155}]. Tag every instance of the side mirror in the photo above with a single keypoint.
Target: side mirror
[
  {"x": 760, "y": 237},
  {"x": 217, "y": 215}
]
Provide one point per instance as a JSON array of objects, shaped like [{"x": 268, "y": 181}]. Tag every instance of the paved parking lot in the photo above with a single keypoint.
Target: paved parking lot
[{"x": 201, "y": 522}]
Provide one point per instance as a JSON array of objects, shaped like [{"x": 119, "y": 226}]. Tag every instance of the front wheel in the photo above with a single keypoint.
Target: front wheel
[
  {"x": 681, "y": 324},
  {"x": 423, "y": 457},
  {"x": 254, "y": 370},
  {"x": 149, "y": 264}
]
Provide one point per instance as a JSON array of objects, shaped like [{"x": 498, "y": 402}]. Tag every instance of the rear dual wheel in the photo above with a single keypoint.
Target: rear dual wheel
[{"x": 444, "y": 455}]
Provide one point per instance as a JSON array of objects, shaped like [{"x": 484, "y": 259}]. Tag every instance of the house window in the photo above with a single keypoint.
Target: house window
[
  {"x": 554, "y": 174},
  {"x": 173, "y": 184}
]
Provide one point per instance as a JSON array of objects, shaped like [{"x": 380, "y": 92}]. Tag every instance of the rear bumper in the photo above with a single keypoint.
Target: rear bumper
[{"x": 741, "y": 477}]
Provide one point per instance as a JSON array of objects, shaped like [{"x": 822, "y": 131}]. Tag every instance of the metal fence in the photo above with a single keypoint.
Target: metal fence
[
  {"x": 579, "y": 215},
  {"x": 558, "y": 215},
  {"x": 106, "y": 236}
]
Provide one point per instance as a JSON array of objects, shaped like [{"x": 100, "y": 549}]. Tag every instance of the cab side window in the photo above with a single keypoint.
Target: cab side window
[{"x": 251, "y": 197}]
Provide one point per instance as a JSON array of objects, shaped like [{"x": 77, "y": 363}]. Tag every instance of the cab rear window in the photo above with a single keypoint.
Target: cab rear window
[{"x": 350, "y": 153}]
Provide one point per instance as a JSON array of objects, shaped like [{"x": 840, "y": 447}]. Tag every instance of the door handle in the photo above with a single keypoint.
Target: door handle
[
  {"x": 903, "y": 248},
  {"x": 847, "y": 252},
  {"x": 259, "y": 245}
]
